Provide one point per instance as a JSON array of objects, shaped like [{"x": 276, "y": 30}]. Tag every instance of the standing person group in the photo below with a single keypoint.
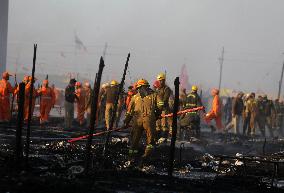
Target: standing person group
[
  {"x": 7, "y": 92},
  {"x": 256, "y": 114},
  {"x": 80, "y": 94}
]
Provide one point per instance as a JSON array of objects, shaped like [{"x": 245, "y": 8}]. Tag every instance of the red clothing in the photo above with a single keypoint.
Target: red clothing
[
  {"x": 215, "y": 112},
  {"x": 130, "y": 94},
  {"x": 5, "y": 90},
  {"x": 46, "y": 103}
]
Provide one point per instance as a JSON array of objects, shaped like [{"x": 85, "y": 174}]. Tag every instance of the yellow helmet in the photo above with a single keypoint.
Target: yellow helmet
[
  {"x": 113, "y": 83},
  {"x": 161, "y": 76},
  {"x": 142, "y": 82},
  {"x": 194, "y": 88}
]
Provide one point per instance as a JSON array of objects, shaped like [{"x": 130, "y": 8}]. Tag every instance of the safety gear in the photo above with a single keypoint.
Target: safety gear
[
  {"x": 161, "y": 76},
  {"x": 215, "y": 113},
  {"x": 194, "y": 88},
  {"x": 78, "y": 84},
  {"x": 113, "y": 83},
  {"x": 142, "y": 82},
  {"x": 6, "y": 75},
  {"x": 47, "y": 101},
  {"x": 143, "y": 114},
  {"x": 5, "y": 91},
  {"x": 27, "y": 99}
]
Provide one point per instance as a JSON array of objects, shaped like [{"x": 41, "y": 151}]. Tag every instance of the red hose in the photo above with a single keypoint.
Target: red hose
[{"x": 117, "y": 129}]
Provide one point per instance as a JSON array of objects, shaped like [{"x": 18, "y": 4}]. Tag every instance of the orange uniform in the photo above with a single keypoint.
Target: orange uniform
[
  {"x": 27, "y": 99},
  {"x": 5, "y": 90},
  {"x": 46, "y": 103},
  {"x": 215, "y": 112},
  {"x": 81, "y": 94}
]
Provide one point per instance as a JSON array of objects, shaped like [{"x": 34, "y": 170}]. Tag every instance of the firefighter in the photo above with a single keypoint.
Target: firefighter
[
  {"x": 143, "y": 111},
  {"x": 5, "y": 90},
  {"x": 27, "y": 98},
  {"x": 47, "y": 101},
  {"x": 215, "y": 112},
  {"x": 253, "y": 112},
  {"x": 81, "y": 95},
  {"x": 164, "y": 93},
  {"x": 102, "y": 103},
  {"x": 110, "y": 95},
  {"x": 88, "y": 101},
  {"x": 191, "y": 120}
]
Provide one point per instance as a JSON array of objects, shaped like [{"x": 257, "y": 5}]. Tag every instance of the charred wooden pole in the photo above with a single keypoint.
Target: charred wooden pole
[
  {"x": 94, "y": 109},
  {"x": 20, "y": 120},
  {"x": 13, "y": 98},
  {"x": 174, "y": 128},
  {"x": 30, "y": 107},
  {"x": 120, "y": 90}
]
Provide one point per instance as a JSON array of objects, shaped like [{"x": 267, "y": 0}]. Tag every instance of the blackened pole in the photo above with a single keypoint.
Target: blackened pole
[
  {"x": 20, "y": 120},
  {"x": 13, "y": 99},
  {"x": 174, "y": 128},
  {"x": 30, "y": 107},
  {"x": 120, "y": 89},
  {"x": 94, "y": 109},
  {"x": 280, "y": 82}
]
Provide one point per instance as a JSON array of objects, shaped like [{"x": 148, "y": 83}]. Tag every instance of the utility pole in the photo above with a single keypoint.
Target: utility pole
[
  {"x": 105, "y": 51},
  {"x": 221, "y": 61},
  {"x": 280, "y": 82}
]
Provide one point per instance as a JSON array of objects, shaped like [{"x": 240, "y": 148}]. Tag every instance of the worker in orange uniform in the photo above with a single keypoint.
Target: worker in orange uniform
[
  {"x": 47, "y": 101},
  {"x": 81, "y": 94},
  {"x": 215, "y": 112},
  {"x": 5, "y": 90},
  {"x": 27, "y": 98}
]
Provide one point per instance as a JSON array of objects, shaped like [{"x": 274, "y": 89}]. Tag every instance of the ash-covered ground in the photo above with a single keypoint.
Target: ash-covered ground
[{"x": 214, "y": 163}]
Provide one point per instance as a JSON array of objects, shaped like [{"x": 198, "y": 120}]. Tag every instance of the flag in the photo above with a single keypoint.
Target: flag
[
  {"x": 79, "y": 44},
  {"x": 184, "y": 80}
]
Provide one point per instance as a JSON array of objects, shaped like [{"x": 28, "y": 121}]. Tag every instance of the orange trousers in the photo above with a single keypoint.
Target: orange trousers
[
  {"x": 26, "y": 110},
  {"x": 45, "y": 108},
  {"x": 5, "y": 113},
  {"x": 218, "y": 120}
]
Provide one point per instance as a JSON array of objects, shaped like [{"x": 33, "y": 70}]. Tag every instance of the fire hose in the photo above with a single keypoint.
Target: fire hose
[{"x": 122, "y": 128}]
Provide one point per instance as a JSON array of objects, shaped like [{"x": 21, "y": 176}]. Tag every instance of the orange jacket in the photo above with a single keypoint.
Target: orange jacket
[
  {"x": 27, "y": 93},
  {"x": 5, "y": 88},
  {"x": 216, "y": 107},
  {"x": 47, "y": 95}
]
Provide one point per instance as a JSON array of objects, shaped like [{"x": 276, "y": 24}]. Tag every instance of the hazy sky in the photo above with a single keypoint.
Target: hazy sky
[{"x": 160, "y": 34}]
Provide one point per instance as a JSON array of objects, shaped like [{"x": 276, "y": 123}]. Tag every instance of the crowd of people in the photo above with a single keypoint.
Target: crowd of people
[
  {"x": 246, "y": 115},
  {"x": 148, "y": 108}
]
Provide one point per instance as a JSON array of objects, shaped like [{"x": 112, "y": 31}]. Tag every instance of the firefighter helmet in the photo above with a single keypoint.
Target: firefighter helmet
[
  {"x": 142, "y": 82},
  {"x": 161, "y": 76}
]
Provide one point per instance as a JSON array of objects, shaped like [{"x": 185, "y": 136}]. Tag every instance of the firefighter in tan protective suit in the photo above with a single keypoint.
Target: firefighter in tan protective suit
[
  {"x": 143, "y": 112},
  {"x": 164, "y": 93}
]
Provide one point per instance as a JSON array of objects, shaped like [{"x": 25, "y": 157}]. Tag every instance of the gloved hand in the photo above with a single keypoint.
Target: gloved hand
[{"x": 127, "y": 120}]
